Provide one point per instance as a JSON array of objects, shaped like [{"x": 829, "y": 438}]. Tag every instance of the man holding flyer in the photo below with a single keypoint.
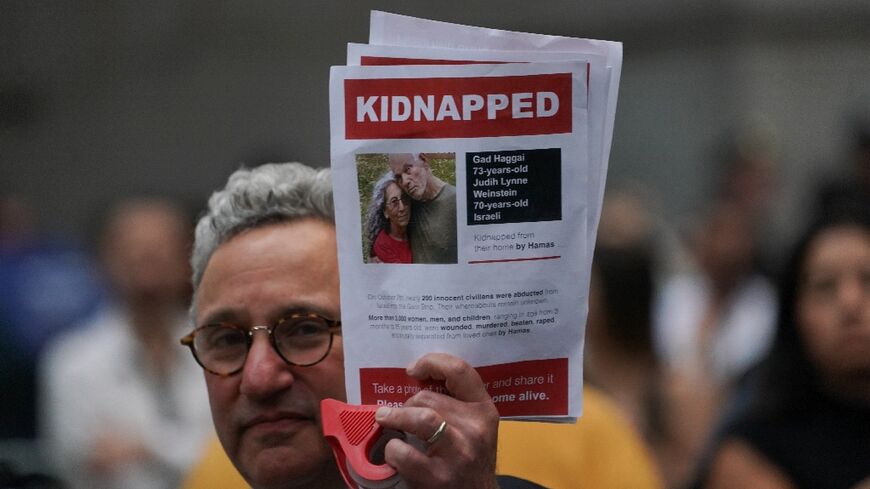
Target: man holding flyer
[
  {"x": 265, "y": 261},
  {"x": 433, "y": 227},
  {"x": 508, "y": 296},
  {"x": 265, "y": 254}
]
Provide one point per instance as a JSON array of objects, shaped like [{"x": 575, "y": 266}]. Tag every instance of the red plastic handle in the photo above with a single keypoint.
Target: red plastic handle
[{"x": 351, "y": 431}]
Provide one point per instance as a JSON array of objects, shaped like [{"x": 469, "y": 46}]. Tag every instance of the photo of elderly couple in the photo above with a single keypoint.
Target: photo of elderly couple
[{"x": 408, "y": 207}]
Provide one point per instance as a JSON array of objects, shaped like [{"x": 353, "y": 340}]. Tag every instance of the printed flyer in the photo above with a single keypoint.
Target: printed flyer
[
  {"x": 467, "y": 192},
  {"x": 389, "y": 29},
  {"x": 367, "y": 54}
]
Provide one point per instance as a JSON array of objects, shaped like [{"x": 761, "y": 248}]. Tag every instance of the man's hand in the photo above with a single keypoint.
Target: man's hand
[{"x": 463, "y": 455}]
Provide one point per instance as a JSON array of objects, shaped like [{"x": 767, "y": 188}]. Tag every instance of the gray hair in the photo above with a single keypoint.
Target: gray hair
[
  {"x": 255, "y": 197},
  {"x": 375, "y": 219}
]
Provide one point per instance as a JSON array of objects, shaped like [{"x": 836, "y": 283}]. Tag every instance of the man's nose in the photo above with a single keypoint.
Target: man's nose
[{"x": 265, "y": 373}]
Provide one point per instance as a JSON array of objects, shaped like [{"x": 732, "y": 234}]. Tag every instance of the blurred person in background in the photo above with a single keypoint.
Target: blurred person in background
[
  {"x": 619, "y": 356},
  {"x": 47, "y": 284},
  {"x": 121, "y": 405},
  {"x": 855, "y": 183},
  {"x": 712, "y": 324},
  {"x": 632, "y": 250},
  {"x": 806, "y": 423},
  {"x": 747, "y": 177},
  {"x": 748, "y": 169}
]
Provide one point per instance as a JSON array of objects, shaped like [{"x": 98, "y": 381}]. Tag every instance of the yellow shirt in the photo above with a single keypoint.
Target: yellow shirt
[{"x": 600, "y": 451}]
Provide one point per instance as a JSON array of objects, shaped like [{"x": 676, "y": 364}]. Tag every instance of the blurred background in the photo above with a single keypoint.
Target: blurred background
[
  {"x": 764, "y": 105},
  {"x": 99, "y": 100}
]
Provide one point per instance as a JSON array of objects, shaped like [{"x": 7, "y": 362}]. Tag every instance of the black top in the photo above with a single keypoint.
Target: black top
[
  {"x": 822, "y": 444},
  {"x": 509, "y": 482}
]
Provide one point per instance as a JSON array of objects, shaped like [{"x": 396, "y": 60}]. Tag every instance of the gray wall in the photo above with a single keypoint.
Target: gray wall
[{"x": 102, "y": 99}]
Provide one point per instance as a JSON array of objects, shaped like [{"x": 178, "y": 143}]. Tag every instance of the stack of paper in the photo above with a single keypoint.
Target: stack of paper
[{"x": 469, "y": 168}]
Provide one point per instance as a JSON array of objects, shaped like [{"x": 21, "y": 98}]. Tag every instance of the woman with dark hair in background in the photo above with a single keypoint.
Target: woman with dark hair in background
[
  {"x": 620, "y": 357},
  {"x": 387, "y": 222},
  {"x": 807, "y": 420}
]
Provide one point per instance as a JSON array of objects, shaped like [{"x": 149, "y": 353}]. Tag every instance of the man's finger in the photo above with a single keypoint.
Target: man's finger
[
  {"x": 415, "y": 467},
  {"x": 460, "y": 378},
  {"x": 420, "y": 422}
]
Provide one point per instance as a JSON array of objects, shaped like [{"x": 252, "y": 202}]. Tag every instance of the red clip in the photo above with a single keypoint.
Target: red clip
[{"x": 352, "y": 432}]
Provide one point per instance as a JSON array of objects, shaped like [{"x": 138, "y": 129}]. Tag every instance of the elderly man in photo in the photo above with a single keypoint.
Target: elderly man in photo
[
  {"x": 432, "y": 231},
  {"x": 268, "y": 334}
]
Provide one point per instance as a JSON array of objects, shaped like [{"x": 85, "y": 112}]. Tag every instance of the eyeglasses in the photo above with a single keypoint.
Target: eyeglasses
[
  {"x": 394, "y": 202},
  {"x": 301, "y": 340}
]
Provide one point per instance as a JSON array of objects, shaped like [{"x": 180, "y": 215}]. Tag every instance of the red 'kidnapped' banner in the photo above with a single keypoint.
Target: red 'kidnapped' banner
[{"x": 437, "y": 108}]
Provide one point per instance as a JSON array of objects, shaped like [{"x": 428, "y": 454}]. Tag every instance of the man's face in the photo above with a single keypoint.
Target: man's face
[
  {"x": 268, "y": 415},
  {"x": 412, "y": 174}
]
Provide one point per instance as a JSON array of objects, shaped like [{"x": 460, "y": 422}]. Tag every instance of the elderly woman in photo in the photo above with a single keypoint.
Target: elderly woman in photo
[{"x": 387, "y": 222}]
